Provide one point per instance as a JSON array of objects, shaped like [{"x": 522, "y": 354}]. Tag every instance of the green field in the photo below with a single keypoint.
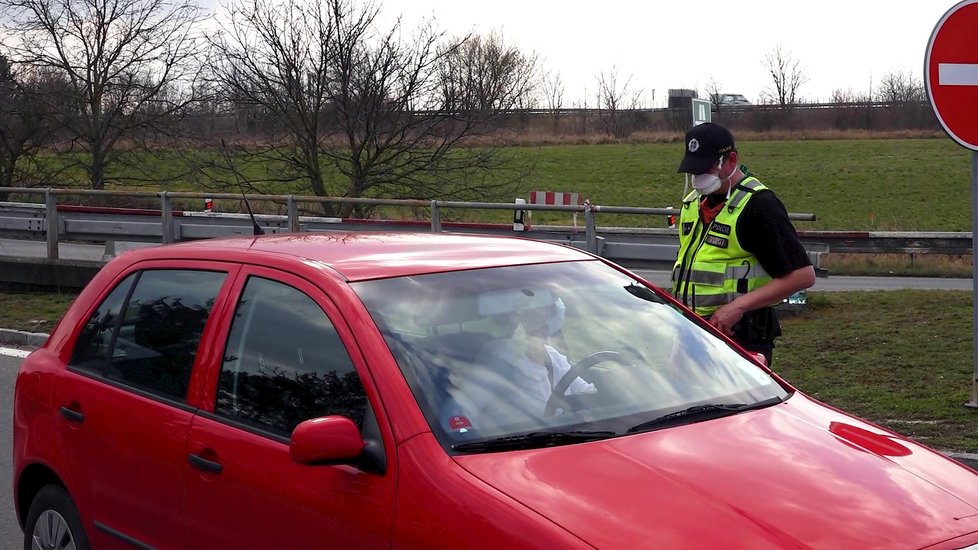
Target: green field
[
  {"x": 912, "y": 184},
  {"x": 865, "y": 184},
  {"x": 902, "y": 359}
]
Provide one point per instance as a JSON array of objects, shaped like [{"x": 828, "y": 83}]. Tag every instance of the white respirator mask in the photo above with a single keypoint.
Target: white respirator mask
[{"x": 707, "y": 184}]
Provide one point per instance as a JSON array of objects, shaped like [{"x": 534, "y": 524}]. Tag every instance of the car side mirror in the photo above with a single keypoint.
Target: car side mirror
[
  {"x": 759, "y": 356},
  {"x": 330, "y": 439}
]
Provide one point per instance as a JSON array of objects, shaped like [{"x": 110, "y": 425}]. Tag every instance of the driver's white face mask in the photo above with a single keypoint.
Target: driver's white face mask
[
  {"x": 547, "y": 325},
  {"x": 555, "y": 321}
]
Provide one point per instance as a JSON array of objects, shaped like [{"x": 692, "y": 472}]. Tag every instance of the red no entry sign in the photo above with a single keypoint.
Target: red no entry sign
[{"x": 951, "y": 73}]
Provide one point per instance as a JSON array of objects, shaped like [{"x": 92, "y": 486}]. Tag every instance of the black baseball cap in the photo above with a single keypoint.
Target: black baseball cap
[{"x": 705, "y": 143}]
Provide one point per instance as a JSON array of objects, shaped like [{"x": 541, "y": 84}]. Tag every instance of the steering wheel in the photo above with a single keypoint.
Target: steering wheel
[{"x": 557, "y": 397}]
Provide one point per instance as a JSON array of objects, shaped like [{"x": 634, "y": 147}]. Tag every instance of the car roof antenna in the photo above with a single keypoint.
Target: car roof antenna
[{"x": 256, "y": 229}]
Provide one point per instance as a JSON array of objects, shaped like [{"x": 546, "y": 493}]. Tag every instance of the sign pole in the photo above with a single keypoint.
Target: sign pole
[
  {"x": 951, "y": 81},
  {"x": 974, "y": 277}
]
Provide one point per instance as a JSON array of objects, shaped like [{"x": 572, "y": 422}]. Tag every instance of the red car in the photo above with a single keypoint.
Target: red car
[{"x": 398, "y": 390}]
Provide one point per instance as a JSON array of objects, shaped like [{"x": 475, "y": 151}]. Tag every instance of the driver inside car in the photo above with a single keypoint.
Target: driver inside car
[{"x": 520, "y": 369}]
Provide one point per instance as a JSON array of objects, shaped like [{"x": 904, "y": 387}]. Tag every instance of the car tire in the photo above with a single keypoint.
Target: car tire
[{"x": 53, "y": 522}]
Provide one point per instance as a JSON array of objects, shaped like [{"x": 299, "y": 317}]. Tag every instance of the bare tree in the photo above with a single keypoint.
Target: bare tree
[
  {"x": 714, "y": 94},
  {"x": 553, "y": 93},
  {"x": 127, "y": 64},
  {"x": 787, "y": 76},
  {"x": 396, "y": 135},
  {"x": 614, "y": 100},
  {"x": 276, "y": 58},
  {"x": 901, "y": 87},
  {"x": 361, "y": 112},
  {"x": 852, "y": 109},
  {"x": 25, "y": 126},
  {"x": 844, "y": 96},
  {"x": 484, "y": 75},
  {"x": 906, "y": 99}
]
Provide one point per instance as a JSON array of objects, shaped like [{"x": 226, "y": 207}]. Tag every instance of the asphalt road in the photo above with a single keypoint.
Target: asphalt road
[
  {"x": 835, "y": 283},
  {"x": 67, "y": 251},
  {"x": 11, "y": 536}
]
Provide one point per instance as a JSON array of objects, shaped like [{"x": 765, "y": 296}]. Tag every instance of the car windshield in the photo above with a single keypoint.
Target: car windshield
[{"x": 536, "y": 355}]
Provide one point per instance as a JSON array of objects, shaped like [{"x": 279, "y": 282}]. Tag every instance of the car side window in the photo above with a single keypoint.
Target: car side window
[
  {"x": 94, "y": 344},
  {"x": 284, "y": 362},
  {"x": 147, "y": 337}
]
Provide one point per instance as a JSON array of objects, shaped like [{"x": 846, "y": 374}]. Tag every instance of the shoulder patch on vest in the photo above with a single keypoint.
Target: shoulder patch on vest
[
  {"x": 720, "y": 228},
  {"x": 687, "y": 228},
  {"x": 718, "y": 242}
]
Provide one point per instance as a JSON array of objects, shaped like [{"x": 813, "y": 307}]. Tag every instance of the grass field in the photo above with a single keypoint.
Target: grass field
[
  {"x": 858, "y": 184},
  {"x": 902, "y": 359},
  {"x": 901, "y": 184}
]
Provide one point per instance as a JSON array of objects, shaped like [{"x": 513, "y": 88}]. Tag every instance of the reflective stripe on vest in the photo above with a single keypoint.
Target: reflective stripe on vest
[
  {"x": 717, "y": 279},
  {"x": 712, "y": 269}
]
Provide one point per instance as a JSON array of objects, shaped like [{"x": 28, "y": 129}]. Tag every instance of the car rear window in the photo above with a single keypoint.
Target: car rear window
[{"x": 145, "y": 333}]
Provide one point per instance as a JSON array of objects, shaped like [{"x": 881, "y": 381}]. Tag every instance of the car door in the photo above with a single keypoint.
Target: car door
[
  {"x": 123, "y": 405},
  {"x": 289, "y": 357}
]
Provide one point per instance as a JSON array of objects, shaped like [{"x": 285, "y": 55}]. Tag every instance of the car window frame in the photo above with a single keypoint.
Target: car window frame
[
  {"x": 210, "y": 379},
  {"x": 189, "y": 402}
]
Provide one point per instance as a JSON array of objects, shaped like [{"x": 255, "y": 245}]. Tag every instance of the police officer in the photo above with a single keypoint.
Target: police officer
[{"x": 738, "y": 253}]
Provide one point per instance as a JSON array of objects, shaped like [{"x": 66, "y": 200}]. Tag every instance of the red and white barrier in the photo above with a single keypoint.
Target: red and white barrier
[{"x": 552, "y": 197}]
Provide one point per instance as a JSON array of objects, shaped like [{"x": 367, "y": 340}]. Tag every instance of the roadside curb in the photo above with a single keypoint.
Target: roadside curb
[{"x": 12, "y": 337}]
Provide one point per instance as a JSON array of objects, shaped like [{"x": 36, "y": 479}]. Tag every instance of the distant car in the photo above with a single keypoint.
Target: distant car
[
  {"x": 733, "y": 99},
  {"x": 359, "y": 390}
]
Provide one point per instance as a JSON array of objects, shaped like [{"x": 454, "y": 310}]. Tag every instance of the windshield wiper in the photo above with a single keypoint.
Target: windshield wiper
[
  {"x": 533, "y": 440},
  {"x": 702, "y": 412}
]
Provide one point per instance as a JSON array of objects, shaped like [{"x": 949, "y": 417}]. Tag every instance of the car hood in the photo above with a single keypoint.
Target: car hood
[{"x": 798, "y": 474}]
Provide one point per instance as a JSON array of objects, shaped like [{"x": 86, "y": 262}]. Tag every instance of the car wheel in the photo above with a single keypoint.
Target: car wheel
[{"x": 53, "y": 522}]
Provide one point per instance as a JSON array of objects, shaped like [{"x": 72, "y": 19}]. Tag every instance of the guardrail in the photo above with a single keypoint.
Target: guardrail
[
  {"x": 166, "y": 225},
  {"x": 54, "y": 222}
]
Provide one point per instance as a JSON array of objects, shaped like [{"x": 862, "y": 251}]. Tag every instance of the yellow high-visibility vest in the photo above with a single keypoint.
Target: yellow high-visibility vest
[{"x": 712, "y": 268}]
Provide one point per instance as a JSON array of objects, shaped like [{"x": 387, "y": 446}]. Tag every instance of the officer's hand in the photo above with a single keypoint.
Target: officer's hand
[{"x": 726, "y": 317}]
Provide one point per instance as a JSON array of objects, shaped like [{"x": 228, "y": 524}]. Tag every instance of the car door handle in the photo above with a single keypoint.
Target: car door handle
[
  {"x": 72, "y": 415},
  {"x": 205, "y": 465}
]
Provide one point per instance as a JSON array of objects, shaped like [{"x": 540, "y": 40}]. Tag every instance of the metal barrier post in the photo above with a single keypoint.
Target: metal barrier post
[
  {"x": 109, "y": 250},
  {"x": 293, "y": 215},
  {"x": 519, "y": 217},
  {"x": 435, "y": 218},
  {"x": 51, "y": 223},
  {"x": 590, "y": 231},
  {"x": 166, "y": 209}
]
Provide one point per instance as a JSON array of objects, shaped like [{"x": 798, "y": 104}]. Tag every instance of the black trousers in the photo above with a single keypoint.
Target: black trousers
[{"x": 756, "y": 332}]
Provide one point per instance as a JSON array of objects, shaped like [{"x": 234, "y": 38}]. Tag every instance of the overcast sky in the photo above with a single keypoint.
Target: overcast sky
[{"x": 841, "y": 44}]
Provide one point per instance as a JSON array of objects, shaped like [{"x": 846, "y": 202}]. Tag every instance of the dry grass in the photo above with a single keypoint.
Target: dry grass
[
  {"x": 909, "y": 265},
  {"x": 538, "y": 136}
]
